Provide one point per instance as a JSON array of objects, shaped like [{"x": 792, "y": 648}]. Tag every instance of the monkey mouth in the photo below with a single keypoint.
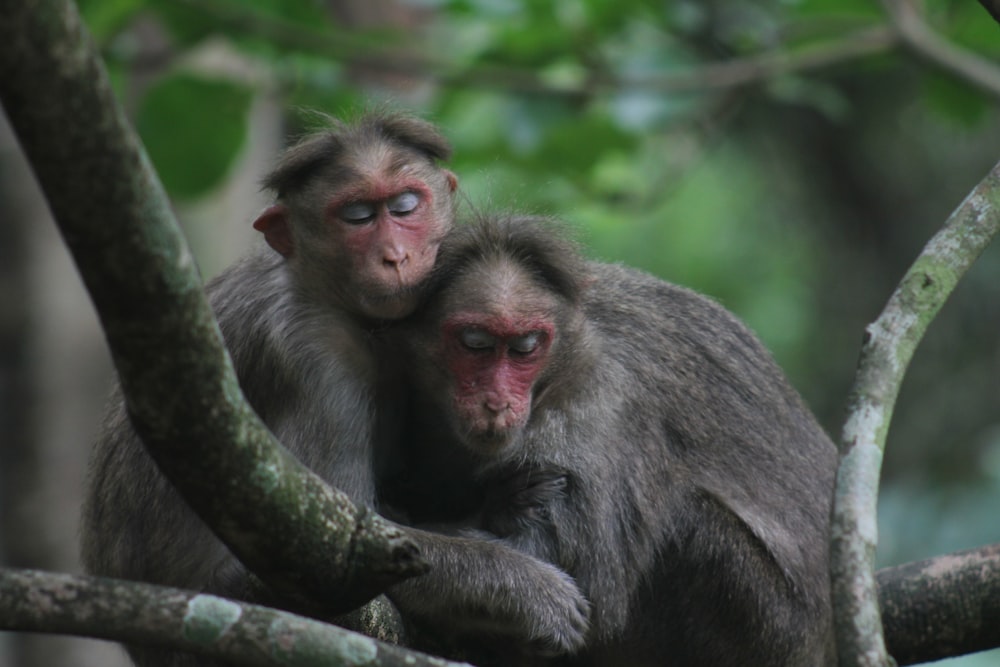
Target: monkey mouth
[
  {"x": 391, "y": 305},
  {"x": 490, "y": 436}
]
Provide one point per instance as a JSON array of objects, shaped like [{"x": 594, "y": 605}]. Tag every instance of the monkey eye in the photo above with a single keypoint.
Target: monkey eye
[
  {"x": 403, "y": 204},
  {"x": 357, "y": 213},
  {"x": 477, "y": 339},
  {"x": 525, "y": 344}
]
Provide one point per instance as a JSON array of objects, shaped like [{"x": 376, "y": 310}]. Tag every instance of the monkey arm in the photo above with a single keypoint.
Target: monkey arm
[{"x": 477, "y": 584}]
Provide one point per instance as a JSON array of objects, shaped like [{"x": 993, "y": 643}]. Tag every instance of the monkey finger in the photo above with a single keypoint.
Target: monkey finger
[{"x": 563, "y": 625}]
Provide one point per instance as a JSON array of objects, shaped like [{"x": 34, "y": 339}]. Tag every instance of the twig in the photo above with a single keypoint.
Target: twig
[
  {"x": 760, "y": 68},
  {"x": 916, "y": 35},
  {"x": 352, "y": 50}
]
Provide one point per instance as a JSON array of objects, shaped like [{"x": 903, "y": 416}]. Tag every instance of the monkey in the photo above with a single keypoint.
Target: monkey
[
  {"x": 360, "y": 210},
  {"x": 630, "y": 431}
]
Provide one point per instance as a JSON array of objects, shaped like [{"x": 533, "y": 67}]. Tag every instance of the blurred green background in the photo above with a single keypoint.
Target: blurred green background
[{"x": 787, "y": 157}]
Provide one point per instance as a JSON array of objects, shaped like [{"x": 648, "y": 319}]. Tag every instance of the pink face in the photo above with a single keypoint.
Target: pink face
[
  {"x": 379, "y": 239},
  {"x": 390, "y": 232},
  {"x": 494, "y": 362}
]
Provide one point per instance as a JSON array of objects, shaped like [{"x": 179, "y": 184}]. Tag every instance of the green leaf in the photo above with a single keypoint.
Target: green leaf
[
  {"x": 956, "y": 100},
  {"x": 966, "y": 24},
  {"x": 831, "y": 10},
  {"x": 104, "y": 18},
  {"x": 574, "y": 145},
  {"x": 193, "y": 129},
  {"x": 187, "y": 24},
  {"x": 190, "y": 22}
]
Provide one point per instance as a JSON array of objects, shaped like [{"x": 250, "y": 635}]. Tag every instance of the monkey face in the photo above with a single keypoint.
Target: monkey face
[
  {"x": 496, "y": 339},
  {"x": 494, "y": 363},
  {"x": 364, "y": 233},
  {"x": 388, "y": 233}
]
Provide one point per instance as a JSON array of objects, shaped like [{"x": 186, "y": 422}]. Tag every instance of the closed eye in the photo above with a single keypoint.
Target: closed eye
[
  {"x": 477, "y": 339},
  {"x": 357, "y": 213},
  {"x": 525, "y": 344},
  {"x": 403, "y": 204}
]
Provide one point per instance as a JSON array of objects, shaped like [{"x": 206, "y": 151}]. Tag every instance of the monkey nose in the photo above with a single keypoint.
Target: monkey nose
[{"x": 395, "y": 261}]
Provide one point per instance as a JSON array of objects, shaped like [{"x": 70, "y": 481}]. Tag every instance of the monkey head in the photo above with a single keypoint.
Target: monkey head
[
  {"x": 496, "y": 348},
  {"x": 501, "y": 323},
  {"x": 361, "y": 212}
]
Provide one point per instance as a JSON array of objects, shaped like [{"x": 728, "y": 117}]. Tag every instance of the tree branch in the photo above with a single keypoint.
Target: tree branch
[
  {"x": 354, "y": 50},
  {"x": 906, "y": 28},
  {"x": 915, "y": 34},
  {"x": 888, "y": 347},
  {"x": 942, "y": 607},
  {"x": 155, "y": 616},
  {"x": 302, "y": 537},
  {"x": 993, "y": 7},
  {"x": 757, "y": 69}
]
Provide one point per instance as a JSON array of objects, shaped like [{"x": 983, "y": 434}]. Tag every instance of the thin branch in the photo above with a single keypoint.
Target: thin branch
[
  {"x": 352, "y": 49},
  {"x": 906, "y": 28},
  {"x": 888, "y": 347},
  {"x": 942, "y": 607},
  {"x": 764, "y": 67},
  {"x": 930, "y": 46},
  {"x": 302, "y": 537},
  {"x": 155, "y": 616}
]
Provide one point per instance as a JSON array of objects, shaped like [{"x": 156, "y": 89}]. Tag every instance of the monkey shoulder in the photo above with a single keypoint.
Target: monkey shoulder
[
  {"x": 250, "y": 298},
  {"x": 704, "y": 390},
  {"x": 279, "y": 344},
  {"x": 677, "y": 338},
  {"x": 697, "y": 357},
  {"x": 308, "y": 370},
  {"x": 629, "y": 301}
]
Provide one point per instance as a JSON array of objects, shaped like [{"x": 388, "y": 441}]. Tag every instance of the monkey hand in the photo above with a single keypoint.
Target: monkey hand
[
  {"x": 480, "y": 585},
  {"x": 536, "y": 603},
  {"x": 557, "y": 613}
]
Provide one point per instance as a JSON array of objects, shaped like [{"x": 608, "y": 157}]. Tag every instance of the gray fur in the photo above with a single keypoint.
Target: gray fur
[
  {"x": 694, "y": 486},
  {"x": 309, "y": 361}
]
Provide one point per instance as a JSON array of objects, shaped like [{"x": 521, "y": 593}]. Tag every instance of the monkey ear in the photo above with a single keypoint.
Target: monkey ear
[
  {"x": 273, "y": 224},
  {"x": 452, "y": 179}
]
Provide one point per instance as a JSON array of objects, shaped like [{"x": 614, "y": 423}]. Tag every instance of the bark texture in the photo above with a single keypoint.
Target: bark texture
[
  {"x": 155, "y": 616},
  {"x": 942, "y": 607},
  {"x": 888, "y": 347},
  {"x": 299, "y": 535}
]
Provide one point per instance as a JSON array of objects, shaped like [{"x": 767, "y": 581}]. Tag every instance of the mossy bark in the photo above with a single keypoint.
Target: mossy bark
[
  {"x": 300, "y": 536},
  {"x": 888, "y": 346}
]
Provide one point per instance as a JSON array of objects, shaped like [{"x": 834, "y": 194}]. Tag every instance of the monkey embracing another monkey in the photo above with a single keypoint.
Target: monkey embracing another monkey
[
  {"x": 360, "y": 212},
  {"x": 635, "y": 434}
]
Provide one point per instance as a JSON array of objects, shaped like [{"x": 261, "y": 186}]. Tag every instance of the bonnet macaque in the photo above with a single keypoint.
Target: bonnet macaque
[
  {"x": 633, "y": 433},
  {"x": 359, "y": 214}
]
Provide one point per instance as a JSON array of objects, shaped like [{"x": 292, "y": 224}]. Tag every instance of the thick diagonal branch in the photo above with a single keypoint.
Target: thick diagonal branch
[{"x": 282, "y": 521}]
